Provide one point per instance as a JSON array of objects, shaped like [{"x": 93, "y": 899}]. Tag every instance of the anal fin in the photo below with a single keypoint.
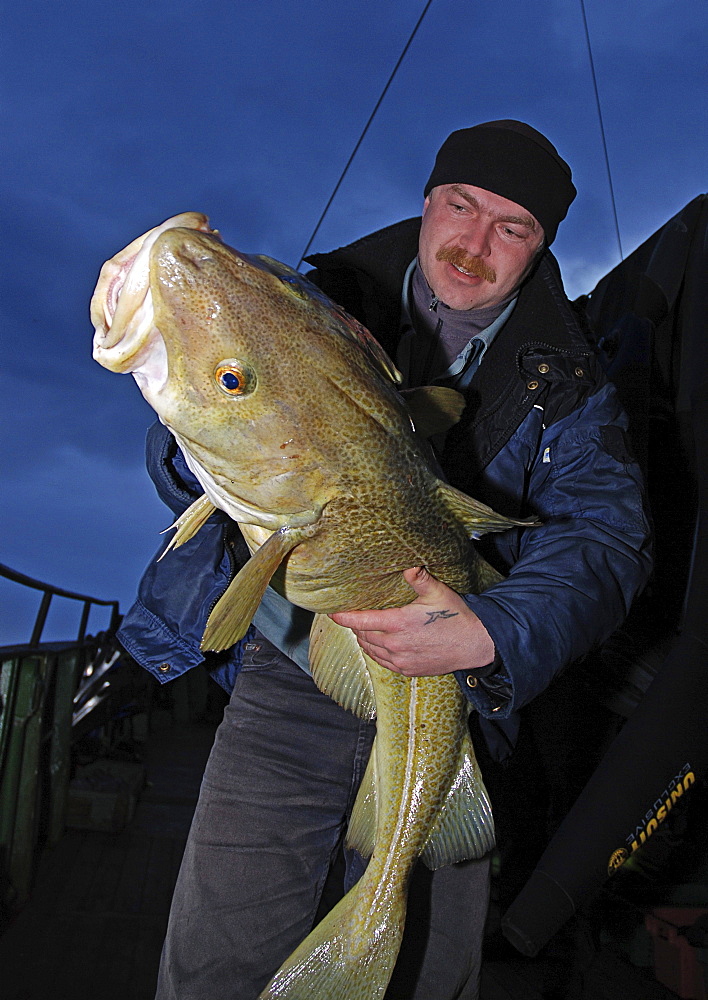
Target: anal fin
[
  {"x": 339, "y": 669},
  {"x": 464, "y": 828},
  {"x": 361, "y": 832}
]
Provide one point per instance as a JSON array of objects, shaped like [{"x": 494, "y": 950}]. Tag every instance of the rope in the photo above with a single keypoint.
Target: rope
[
  {"x": 363, "y": 134},
  {"x": 602, "y": 129}
]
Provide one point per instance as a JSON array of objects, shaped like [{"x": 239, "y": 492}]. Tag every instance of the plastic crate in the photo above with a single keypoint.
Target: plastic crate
[{"x": 676, "y": 962}]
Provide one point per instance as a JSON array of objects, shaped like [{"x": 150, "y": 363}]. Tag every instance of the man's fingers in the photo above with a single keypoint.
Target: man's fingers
[{"x": 362, "y": 621}]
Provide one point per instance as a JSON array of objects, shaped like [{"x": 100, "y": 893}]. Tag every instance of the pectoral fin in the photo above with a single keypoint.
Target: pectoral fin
[
  {"x": 233, "y": 612},
  {"x": 464, "y": 827},
  {"x": 338, "y": 667},
  {"x": 189, "y": 523}
]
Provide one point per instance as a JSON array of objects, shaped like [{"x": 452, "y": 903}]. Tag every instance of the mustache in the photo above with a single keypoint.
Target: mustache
[{"x": 459, "y": 257}]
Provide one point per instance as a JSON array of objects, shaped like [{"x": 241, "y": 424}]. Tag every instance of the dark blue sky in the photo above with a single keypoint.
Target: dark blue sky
[{"x": 115, "y": 117}]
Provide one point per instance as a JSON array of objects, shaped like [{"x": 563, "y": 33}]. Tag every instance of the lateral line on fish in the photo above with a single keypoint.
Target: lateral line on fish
[{"x": 409, "y": 774}]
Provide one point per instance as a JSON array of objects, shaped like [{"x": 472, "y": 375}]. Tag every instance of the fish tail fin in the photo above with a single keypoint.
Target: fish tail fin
[{"x": 350, "y": 955}]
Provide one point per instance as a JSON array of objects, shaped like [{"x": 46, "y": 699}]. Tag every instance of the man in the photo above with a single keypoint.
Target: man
[
  {"x": 474, "y": 251},
  {"x": 468, "y": 297}
]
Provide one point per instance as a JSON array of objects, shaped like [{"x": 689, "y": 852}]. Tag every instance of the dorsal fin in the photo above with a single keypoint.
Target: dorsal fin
[
  {"x": 477, "y": 518},
  {"x": 434, "y": 409}
]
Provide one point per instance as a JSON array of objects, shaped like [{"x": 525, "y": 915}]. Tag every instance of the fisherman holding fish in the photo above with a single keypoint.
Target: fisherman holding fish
[{"x": 468, "y": 299}]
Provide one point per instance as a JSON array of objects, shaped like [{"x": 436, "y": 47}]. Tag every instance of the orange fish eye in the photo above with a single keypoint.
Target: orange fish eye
[{"x": 235, "y": 378}]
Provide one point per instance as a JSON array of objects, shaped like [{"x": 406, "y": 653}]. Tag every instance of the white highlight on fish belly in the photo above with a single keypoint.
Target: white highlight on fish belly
[{"x": 403, "y": 818}]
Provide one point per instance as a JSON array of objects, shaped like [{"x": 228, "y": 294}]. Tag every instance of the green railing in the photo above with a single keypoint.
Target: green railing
[{"x": 50, "y": 692}]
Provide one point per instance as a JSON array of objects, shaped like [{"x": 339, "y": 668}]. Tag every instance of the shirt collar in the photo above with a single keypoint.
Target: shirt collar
[{"x": 459, "y": 374}]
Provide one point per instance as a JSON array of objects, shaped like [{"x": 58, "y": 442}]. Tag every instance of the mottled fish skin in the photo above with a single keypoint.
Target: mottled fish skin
[{"x": 307, "y": 444}]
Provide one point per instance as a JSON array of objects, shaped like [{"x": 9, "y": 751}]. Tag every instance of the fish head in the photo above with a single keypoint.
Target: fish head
[{"x": 248, "y": 364}]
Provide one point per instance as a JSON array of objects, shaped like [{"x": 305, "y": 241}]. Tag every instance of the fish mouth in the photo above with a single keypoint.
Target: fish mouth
[{"x": 126, "y": 338}]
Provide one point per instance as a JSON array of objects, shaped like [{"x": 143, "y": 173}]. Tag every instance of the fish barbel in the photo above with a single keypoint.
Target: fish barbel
[{"x": 287, "y": 412}]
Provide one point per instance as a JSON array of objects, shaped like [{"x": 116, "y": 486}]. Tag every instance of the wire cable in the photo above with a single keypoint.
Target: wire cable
[
  {"x": 363, "y": 134},
  {"x": 602, "y": 129}
]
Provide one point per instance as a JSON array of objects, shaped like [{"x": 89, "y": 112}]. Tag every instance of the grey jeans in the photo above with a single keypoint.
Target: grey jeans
[{"x": 277, "y": 792}]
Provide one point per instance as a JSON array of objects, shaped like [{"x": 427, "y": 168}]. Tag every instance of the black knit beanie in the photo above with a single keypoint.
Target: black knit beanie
[{"x": 511, "y": 159}]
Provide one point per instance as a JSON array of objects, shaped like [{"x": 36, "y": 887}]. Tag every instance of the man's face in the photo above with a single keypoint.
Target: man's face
[{"x": 475, "y": 247}]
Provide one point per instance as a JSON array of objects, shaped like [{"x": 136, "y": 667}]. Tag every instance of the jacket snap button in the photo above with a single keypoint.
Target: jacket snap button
[
  {"x": 532, "y": 385},
  {"x": 472, "y": 682},
  {"x": 164, "y": 667},
  {"x": 579, "y": 372},
  {"x": 544, "y": 369}
]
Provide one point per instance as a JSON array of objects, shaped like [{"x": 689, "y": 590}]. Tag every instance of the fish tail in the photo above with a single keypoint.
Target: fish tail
[{"x": 350, "y": 955}]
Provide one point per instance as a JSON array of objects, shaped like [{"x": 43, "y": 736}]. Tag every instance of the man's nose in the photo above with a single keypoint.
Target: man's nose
[{"x": 476, "y": 239}]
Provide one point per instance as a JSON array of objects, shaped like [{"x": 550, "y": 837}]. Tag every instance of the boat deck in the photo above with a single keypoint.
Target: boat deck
[{"x": 93, "y": 927}]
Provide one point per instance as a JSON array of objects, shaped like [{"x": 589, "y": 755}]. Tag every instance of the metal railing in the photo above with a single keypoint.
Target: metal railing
[
  {"x": 50, "y": 694},
  {"x": 48, "y": 592}
]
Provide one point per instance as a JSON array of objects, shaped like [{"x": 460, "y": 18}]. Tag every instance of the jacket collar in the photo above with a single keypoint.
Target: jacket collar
[{"x": 382, "y": 257}]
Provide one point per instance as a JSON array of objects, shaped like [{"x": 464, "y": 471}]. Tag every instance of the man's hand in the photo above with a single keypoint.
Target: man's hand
[{"x": 434, "y": 634}]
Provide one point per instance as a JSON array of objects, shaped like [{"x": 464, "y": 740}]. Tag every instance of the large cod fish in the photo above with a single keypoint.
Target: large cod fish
[{"x": 286, "y": 411}]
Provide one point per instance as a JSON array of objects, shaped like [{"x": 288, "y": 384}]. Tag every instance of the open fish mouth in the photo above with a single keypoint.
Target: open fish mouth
[{"x": 126, "y": 339}]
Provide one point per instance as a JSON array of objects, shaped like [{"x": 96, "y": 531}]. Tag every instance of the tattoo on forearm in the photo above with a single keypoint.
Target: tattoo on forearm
[{"x": 434, "y": 616}]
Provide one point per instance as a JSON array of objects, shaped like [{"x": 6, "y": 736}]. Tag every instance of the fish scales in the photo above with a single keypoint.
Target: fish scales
[{"x": 287, "y": 412}]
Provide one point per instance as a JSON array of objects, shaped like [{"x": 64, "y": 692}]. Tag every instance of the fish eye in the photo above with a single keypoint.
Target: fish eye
[{"x": 235, "y": 378}]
